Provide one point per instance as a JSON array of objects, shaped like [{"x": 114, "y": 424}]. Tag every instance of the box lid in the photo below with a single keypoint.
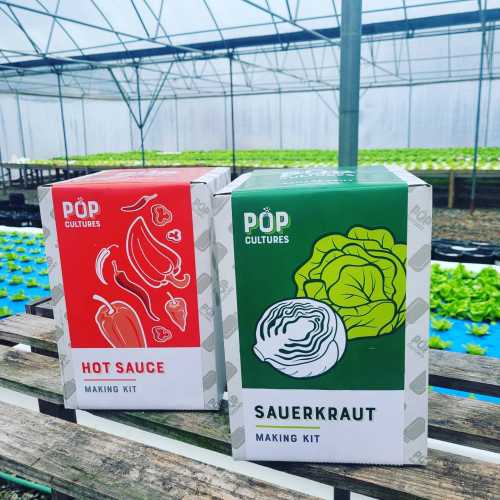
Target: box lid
[
  {"x": 142, "y": 175},
  {"x": 321, "y": 178}
]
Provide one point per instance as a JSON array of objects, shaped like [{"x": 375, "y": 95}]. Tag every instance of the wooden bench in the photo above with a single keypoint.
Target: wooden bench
[{"x": 457, "y": 420}]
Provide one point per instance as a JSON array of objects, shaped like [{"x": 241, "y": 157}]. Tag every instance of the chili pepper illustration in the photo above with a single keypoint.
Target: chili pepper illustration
[
  {"x": 140, "y": 203},
  {"x": 176, "y": 308},
  {"x": 156, "y": 263},
  {"x": 103, "y": 254},
  {"x": 124, "y": 282},
  {"x": 161, "y": 215},
  {"x": 119, "y": 324},
  {"x": 161, "y": 334},
  {"x": 174, "y": 235}
]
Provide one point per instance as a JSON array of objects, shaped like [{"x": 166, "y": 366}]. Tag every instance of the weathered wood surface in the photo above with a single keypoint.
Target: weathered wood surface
[
  {"x": 465, "y": 372},
  {"x": 480, "y": 374},
  {"x": 32, "y": 374},
  {"x": 42, "y": 307},
  {"x": 86, "y": 463},
  {"x": 459, "y": 420},
  {"x": 31, "y": 330},
  {"x": 465, "y": 421}
]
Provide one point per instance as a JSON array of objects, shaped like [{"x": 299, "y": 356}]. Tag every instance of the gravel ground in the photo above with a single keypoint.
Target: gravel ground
[
  {"x": 9, "y": 491},
  {"x": 457, "y": 224}
]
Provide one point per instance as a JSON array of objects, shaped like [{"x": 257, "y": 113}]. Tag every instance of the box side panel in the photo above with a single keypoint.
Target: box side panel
[
  {"x": 417, "y": 323},
  {"x": 57, "y": 291},
  {"x": 209, "y": 318},
  {"x": 225, "y": 245}
]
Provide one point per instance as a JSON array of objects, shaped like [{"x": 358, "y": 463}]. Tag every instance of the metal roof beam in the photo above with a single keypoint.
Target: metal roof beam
[{"x": 380, "y": 28}]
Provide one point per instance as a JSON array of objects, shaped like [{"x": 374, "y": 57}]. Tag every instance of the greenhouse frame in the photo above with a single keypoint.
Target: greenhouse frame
[{"x": 138, "y": 61}]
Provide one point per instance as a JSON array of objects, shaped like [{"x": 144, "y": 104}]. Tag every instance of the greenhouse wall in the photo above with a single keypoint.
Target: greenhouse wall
[{"x": 441, "y": 116}]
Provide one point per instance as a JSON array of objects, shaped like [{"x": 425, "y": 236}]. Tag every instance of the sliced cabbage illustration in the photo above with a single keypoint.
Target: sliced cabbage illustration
[
  {"x": 362, "y": 276},
  {"x": 300, "y": 337}
]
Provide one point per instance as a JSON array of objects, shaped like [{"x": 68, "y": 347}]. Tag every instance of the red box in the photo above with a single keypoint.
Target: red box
[{"x": 131, "y": 267}]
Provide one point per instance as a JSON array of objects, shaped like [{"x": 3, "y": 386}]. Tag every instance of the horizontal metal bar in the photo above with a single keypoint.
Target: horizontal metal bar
[{"x": 386, "y": 27}]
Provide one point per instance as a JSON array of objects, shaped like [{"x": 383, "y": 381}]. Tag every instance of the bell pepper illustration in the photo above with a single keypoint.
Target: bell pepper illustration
[
  {"x": 156, "y": 263},
  {"x": 119, "y": 324},
  {"x": 176, "y": 308}
]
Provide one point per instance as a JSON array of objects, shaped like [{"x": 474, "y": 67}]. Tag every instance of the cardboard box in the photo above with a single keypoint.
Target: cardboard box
[
  {"x": 134, "y": 283},
  {"x": 325, "y": 304}
]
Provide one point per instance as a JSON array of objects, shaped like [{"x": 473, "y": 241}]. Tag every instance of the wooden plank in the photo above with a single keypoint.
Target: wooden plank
[
  {"x": 459, "y": 420},
  {"x": 31, "y": 330},
  {"x": 465, "y": 372},
  {"x": 86, "y": 463},
  {"x": 480, "y": 374},
  {"x": 445, "y": 476},
  {"x": 32, "y": 374}
]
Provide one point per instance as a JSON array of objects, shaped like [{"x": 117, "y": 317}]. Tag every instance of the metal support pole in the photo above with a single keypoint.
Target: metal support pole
[
  {"x": 2, "y": 168},
  {"x": 281, "y": 119},
  {"x": 141, "y": 124},
  {"x": 61, "y": 108},
  {"x": 225, "y": 121},
  {"x": 176, "y": 109},
  {"x": 84, "y": 120},
  {"x": 478, "y": 116},
  {"x": 408, "y": 125},
  {"x": 350, "y": 60},
  {"x": 20, "y": 122},
  {"x": 231, "y": 95}
]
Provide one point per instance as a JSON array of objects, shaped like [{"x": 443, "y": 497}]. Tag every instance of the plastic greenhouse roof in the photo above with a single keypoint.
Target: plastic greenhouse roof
[{"x": 172, "y": 49}]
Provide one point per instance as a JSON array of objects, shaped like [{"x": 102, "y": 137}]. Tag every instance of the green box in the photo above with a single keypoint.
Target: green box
[{"x": 324, "y": 287}]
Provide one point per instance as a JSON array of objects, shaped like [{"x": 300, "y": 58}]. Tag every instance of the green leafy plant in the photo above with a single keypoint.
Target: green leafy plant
[
  {"x": 436, "y": 342},
  {"x": 18, "y": 296},
  {"x": 8, "y": 247},
  {"x": 475, "y": 349},
  {"x": 45, "y": 286},
  {"x": 3, "y": 292},
  {"x": 441, "y": 324},
  {"x": 43, "y": 272},
  {"x": 20, "y": 249},
  {"x": 27, "y": 270},
  {"x": 477, "y": 330},
  {"x": 5, "y": 311},
  {"x": 32, "y": 282},
  {"x": 35, "y": 251},
  {"x": 10, "y": 256},
  {"x": 12, "y": 266},
  {"x": 361, "y": 276},
  {"x": 30, "y": 243},
  {"x": 25, "y": 258},
  {"x": 463, "y": 294},
  {"x": 16, "y": 280},
  {"x": 40, "y": 260},
  {"x": 2, "y": 278}
]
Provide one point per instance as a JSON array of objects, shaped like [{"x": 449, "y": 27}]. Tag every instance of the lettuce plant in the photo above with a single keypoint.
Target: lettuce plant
[
  {"x": 477, "y": 330},
  {"x": 463, "y": 294},
  {"x": 3, "y": 292},
  {"x": 5, "y": 311},
  {"x": 361, "y": 276},
  {"x": 436, "y": 342},
  {"x": 18, "y": 296},
  {"x": 441, "y": 324},
  {"x": 475, "y": 349}
]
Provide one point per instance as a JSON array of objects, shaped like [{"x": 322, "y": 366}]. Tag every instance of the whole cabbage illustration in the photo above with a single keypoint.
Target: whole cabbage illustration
[
  {"x": 361, "y": 276},
  {"x": 300, "y": 337}
]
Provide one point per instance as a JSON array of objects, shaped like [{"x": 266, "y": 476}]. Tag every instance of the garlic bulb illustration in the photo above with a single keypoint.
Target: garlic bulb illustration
[{"x": 300, "y": 337}]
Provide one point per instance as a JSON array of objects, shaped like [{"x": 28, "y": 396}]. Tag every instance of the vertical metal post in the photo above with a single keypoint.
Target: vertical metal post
[
  {"x": 176, "y": 108},
  {"x": 478, "y": 116},
  {"x": 2, "y": 169},
  {"x": 408, "y": 125},
  {"x": 61, "y": 108},
  {"x": 350, "y": 60},
  {"x": 84, "y": 119},
  {"x": 231, "y": 95},
  {"x": 141, "y": 124},
  {"x": 20, "y": 122},
  {"x": 225, "y": 121},
  {"x": 281, "y": 119}
]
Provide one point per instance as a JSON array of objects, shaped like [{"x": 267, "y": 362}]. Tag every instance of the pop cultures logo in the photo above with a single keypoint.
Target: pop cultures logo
[{"x": 81, "y": 213}]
